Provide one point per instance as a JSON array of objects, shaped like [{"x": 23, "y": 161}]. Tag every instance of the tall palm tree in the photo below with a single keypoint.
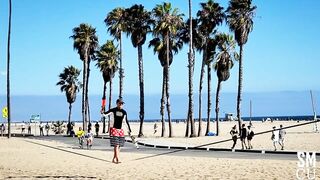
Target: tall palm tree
[
  {"x": 116, "y": 22},
  {"x": 138, "y": 26},
  {"x": 226, "y": 54},
  {"x": 8, "y": 71},
  {"x": 197, "y": 43},
  {"x": 159, "y": 47},
  {"x": 70, "y": 84},
  {"x": 107, "y": 61},
  {"x": 168, "y": 22},
  {"x": 86, "y": 43},
  {"x": 240, "y": 14},
  {"x": 210, "y": 16}
]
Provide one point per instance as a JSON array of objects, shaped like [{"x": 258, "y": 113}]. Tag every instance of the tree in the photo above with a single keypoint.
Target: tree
[
  {"x": 197, "y": 43},
  {"x": 86, "y": 43},
  {"x": 8, "y": 71},
  {"x": 210, "y": 16},
  {"x": 240, "y": 14},
  {"x": 107, "y": 61},
  {"x": 70, "y": 84},
  {"x": 168, "y": 22},
  {"x": 224, "y": 62},
  {"x": 116, "y": 22},
  {"x": 138, "y": 26}
]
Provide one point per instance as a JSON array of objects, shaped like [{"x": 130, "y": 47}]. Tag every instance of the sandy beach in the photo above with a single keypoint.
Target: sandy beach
[{"x": 57, "y": 157}]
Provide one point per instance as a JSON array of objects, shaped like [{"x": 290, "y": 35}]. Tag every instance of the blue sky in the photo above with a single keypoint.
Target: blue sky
[{"x": 281, "y": 54}]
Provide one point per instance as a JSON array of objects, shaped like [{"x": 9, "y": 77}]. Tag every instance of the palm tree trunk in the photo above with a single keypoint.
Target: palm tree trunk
[
  {"x": 209, "y": 97},
  {"x": 200, "y": 89},
  {"x": 187, "y": 125},
  {"x": 141, "y": 86},
  {"x": 163, "y": 102},
  {"x": 168, "y": 87},
  {"x": 103, "y": 107},
  {"x": 191, "y": 65},
  {"x": 8, "y": 72},
  {"x": 83, "y": 93},
  {"x": 110, "y": 98},
  {"x": 121, "y": 71},
  {"x": 69, "y": 116},
  {"x": 217, "y": 106},
  {"x": 87, "y": 91},
  {"x": 239, "y": 88}
]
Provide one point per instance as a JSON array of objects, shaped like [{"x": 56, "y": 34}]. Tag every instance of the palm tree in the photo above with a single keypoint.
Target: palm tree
[
  {"x": 70, "y": 84},
  {"x": 86, "y": 43},
  {"x": 224, "y": 62},
  {"x": 116, "y": 22},
  {"x": 8, "y": 72},
  {"x": 107, "y": 61},
  {"x": 210, "y": 16},
  {"x": 197, "y": 43},
  {"x": 240, "y": 15},
  {"x": 168, "y": 22},
  {"x": 138, "y": 26}
]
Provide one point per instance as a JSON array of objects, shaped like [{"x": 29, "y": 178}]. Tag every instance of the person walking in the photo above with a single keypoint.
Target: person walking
[
  {"x": 250, "y": 136},
  {"x": 275, "y": 137},
  {"x": 97, "y": 127},
  {"x": 155, "y": 128},
  {"x": 117, "y": 117},
  {"x": 234, "y": 134},
  {"x": 243, "y": 136},
  {"x": 282, "y": 134},
  {"x": 23, "y": 127},
  {"x": 2, "y": 129}
]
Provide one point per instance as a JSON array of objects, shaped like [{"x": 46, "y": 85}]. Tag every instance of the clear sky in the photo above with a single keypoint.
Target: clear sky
[{"x": 282, "y": 53}]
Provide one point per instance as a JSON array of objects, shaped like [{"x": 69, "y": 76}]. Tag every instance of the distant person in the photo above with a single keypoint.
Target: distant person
[
  {"x": 23, "y": 127},
  {"x": 282, "y": 134},
  {"x": 275, "y": 137},
  {"x": 250, "y": 136},
  {"x": 29, "y": 128},
  {"x": 89, "y": 127},
  {"x": 97, "y": 127},
  {"x": 69, "y": 127},
  {"x": 89, "y": 139},
  {"x": 80, "y": 134},
  {"x": 243, "y": 136},
  {"x": 41, "y": 129},
  {"x": 47, "y": 127},
  {"x": 118, "y": 117},
  {"x": 155, "y": 127},
  {"x": 2, "y": 129},
  {"x": 234, "y": 134}
]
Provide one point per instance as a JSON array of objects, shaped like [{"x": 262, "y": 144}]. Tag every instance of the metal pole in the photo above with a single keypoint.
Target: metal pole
[{"x": 314, "y": 113}]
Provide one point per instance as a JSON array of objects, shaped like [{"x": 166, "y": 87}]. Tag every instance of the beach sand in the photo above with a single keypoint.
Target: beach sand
[{"x": 21, "y": 158}]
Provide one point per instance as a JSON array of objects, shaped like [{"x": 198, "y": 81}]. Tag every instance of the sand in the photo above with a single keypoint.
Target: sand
[{"x": 20, "y": 158}]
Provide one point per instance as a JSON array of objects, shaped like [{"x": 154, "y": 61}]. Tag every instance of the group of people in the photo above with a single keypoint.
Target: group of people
[
  {"x": 41, "y": 128},
  {"x": 246, "y": 134}
]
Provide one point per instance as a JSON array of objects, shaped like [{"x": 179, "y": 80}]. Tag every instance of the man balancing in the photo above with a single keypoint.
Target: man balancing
[{"x": 117, "y": 116}]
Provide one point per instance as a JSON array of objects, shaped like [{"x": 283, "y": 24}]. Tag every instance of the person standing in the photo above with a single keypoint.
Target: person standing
[
  {"x": 47, "y": 127},
  {"x": 155, "y": 128},
  {"x": 243, "y": 136},
  {"x": 282, "y": 133},
  {"x": 41, "y": 129},
  {"x": 2, "y": 129},
  {"x": 29, "y": 128},
  {"x": 250, "y": 136},
  {"x": 97, "y": 127},
  {"x": 117, "y": 117},
  {"x": 234, "y": 134},
  {"x": 23, "y": 127}
]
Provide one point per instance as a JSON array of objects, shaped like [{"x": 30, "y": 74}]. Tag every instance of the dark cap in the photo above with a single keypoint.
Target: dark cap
[{"x": 120, "y": 101}]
